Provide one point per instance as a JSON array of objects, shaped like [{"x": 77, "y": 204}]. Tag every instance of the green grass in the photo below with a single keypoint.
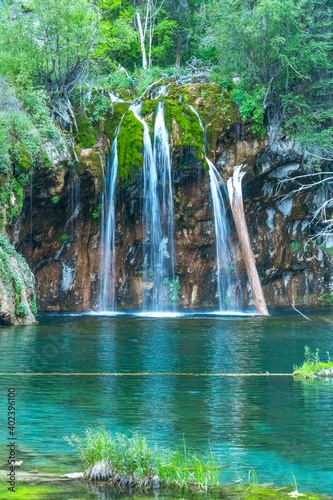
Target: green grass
[
  {"x": 312, "y": 364},
  {"x": 133, "y": 461}
]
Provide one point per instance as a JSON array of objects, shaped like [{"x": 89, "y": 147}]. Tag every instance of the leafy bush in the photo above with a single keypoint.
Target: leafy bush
[
  {"x": 64, "y": 238},
  {"x": 173, "y": 289},
  {"x": 251, "y": 107},
  {"x": 21, "y": 310}
]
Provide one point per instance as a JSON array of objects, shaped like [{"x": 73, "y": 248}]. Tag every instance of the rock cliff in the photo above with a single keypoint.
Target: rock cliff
[{"x": 58, "y": 231}]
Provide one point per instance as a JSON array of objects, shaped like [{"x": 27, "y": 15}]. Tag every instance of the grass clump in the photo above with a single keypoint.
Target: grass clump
[
  {"x": 313, "y": 366},
  {"x": 134, "y": 462}
]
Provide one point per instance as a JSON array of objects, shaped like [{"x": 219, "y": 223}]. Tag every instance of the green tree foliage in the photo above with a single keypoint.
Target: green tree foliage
[
  {"x": 277, "y": 56},
  {"x": 48, "y": 43},
  {"x": 118, "y": 39}
]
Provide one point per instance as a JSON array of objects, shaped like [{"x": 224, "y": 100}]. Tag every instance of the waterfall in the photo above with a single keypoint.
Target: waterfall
[
  {"x": 157, "y": 216},
  {"x": 163, "y": 161},
  {"x": 159, "y": 282},
  {"x": 107, "y": 296},
  {"x": 228, "y": 299}
]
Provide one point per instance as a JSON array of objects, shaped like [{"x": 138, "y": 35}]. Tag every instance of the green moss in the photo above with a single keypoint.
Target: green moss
[
  {"x": 21, "y": 310},
  {"x": 91, "y": 163},
  {"x": 25, "y": 161},
  {"x": 34, "y": 306},
  {"x": 148, "y": 112},
  {"x": 86, "y": 134},
  {"x": 46, "y": 163},
  {"x": 310, "y": 370},
  {"x": 326, "y": 297},
  {"x": 113, "y": 118},
  {"x": 217, "y": 112},
  {"x": 32, "y": 492},
  {"x": 130, "y": 146},
  {"x": 184, "y": 127}
]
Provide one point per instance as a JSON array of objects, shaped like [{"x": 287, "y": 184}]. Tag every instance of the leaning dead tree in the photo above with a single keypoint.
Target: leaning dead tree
[{"x": 236, "y": 200}]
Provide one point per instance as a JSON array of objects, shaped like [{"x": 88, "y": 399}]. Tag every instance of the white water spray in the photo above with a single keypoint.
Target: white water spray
[
  {"x": 108, "y": 233},
  {"x": 157, "y": 217},
  {"x": 229, "y": 297}
]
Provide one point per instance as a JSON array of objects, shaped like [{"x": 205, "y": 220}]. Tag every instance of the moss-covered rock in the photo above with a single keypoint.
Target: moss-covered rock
[
  {"x": 86, "y": 134},
  {"x": 90, "y": 163},
  {"x": 148, "y": 113},
  {"x": 216, "y": 111},
  {"x": 113, "y": 118},
  {"x": 130, "y": 146},
  {"x": 17, "y": 287},
  {"x": 184, "y": 128}
]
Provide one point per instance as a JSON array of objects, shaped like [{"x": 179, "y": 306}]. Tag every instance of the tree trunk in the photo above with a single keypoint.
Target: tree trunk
[
  {"x": 142, "y": 41},
  {"x": 236, "y": 199},
  {"x": 179, "y": 51}
]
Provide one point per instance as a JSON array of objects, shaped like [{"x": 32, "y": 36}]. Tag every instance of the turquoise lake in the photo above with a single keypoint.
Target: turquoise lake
[{"x": 276, "y": 425}]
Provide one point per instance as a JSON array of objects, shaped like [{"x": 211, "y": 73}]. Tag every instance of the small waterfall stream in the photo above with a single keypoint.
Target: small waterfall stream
[
  {"x": 228, "y": 299},
  {"x": 108, "y": 233},
  {"x": 157, "y": 216}
]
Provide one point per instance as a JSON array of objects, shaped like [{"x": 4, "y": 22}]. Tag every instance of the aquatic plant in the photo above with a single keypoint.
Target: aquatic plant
[
  {"x": 133, "y": 461},
  {"x": 313, "y": 366}
]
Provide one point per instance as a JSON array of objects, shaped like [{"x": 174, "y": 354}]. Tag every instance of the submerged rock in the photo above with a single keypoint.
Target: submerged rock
[{"x": 102, "y": 472}]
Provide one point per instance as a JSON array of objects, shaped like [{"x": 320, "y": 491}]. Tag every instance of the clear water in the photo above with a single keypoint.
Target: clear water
[{"x": 276, "y": 425}]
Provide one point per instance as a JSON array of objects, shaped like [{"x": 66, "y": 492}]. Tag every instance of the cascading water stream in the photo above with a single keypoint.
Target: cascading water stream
[
  {"x": 107, "y": 300},
  {"x": 163, "y": 161},
  {"x": 157, "y": 217},
  {"x": 228, "y": 299}
]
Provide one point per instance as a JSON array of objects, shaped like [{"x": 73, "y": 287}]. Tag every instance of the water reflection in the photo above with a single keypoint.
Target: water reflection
[{"x": 276, "y": 425}]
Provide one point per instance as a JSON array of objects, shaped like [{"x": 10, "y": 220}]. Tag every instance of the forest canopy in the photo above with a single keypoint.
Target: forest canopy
[{"x": 274, "y": 56}]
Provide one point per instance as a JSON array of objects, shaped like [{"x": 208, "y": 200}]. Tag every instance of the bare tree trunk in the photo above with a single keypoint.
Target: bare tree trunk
[
  {"x": 142, "y": 41},
  {"x": 151, "y": 33},
  {"x": 236, "y": 200},
  {"x": 179, "y": 51}
]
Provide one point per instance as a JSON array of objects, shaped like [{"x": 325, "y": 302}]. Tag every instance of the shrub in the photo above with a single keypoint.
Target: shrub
[
  {"x": 312, "y": 364},
  {"x": 64, "y": 238}
]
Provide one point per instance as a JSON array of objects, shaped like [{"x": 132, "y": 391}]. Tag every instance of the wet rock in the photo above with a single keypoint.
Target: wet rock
[{"x": 17, "y": 287}]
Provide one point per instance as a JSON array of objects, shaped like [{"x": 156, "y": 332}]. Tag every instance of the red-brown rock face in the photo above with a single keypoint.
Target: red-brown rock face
[{"x": 62, "y": 246}]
